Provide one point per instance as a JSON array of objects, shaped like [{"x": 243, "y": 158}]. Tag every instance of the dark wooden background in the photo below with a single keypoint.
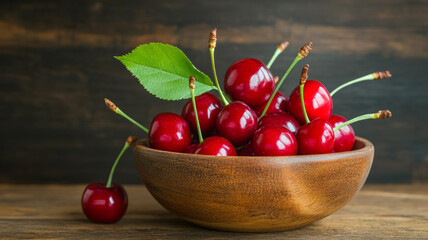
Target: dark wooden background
[{"x": 57, "y": 65}]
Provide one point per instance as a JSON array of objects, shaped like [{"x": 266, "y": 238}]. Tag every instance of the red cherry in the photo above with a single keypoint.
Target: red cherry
[
  {"x": 315, "y": 137},
  {"x": 274, "y": 141},
  {"x": 216, "y": 146},
  {"x": 169, "y": 132},
  {"x": 250, "y": 81},
  {"x": 280, "y": 119},
  {"x": 318, "y": 102},
  {"x": 208, "y": 108},
  {"x": 279, "y": 104},
  {"x": 104, "y": 205},
  {"x": 344, "y": 138},
  {"x": 247, "y": 150},
  {"x": 237, "y": 123}
]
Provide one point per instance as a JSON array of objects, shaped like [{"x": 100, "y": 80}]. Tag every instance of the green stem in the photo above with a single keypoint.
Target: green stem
[
  {"x": 192, "y": 93},
  {"x": 303, "y": 103},
  {"x": 297, "y": 59},
  {"x": 118, "y": 111},
  {"x": 275, "y": 55},
  {"x": 215, "y": 78},
  {"x": 110, "y": 177},
  {"x": 365, "y": 78},
  {"x": 356, "y": 119}
]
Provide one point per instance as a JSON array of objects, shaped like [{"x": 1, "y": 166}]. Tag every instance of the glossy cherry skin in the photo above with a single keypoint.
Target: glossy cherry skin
[
  {"x": 104, "y": 205},
  {"x": 274, "y": 141},
  {"x": 279, "y": 104},
  {"x": 315, "y": 137},
  {"x": 237, "y": 123},
  {"x": 216, "y": 146},
  {"x": 280, "y": 119},
  {"x": 169, "y": 132},
  {"x": 250, "y": 81},
  {"x": 318, "y": 102},
  {"x": 208, "y": 107},
  {"x": 344, "y": 138}
]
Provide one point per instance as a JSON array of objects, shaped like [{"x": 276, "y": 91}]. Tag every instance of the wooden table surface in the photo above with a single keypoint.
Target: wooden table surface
[{"x": 53, "y": 212}]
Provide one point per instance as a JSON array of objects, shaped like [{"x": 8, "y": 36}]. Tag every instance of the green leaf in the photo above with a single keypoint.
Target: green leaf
[{"x": 164, "y": 71}]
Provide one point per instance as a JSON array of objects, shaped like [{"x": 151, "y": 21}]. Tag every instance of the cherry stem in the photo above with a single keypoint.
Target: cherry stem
[
  {"x": 297, "y": 59},
  {"x": 211, "y": 45},
  {"x": 379, "y": 115},
  {"x": 303, "y": 52},
  {"x": 113, "y": 108},
  {"x": 303, "y": 78},
  {"x": 281, "y": 47},
  {"x": 192, "y": 93},
  {"x": 372, "y": 76},
  {"x": 129, "y": 141}
]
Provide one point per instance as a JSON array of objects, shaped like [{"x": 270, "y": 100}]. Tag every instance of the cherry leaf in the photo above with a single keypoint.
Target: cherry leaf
[{"x": 164, "y": 71}]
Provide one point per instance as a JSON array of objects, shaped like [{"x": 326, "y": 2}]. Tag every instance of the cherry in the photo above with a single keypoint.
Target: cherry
[
  {"x": 106, "y": 203},
  {"x": 169, "y": 132},
  {"x": 208, "y": 108},
  {"x": 317, "y": 101},
  {"x": 280, "y": 119},
  {"x": 274, "y": 141},
  {"x": 250, "y": 81},
  {"x": 236, "y": 122},
  {"x": 216, "y": 146},
  {"x": 344, "y": 138},
  {"x": 315, "y": 137},
  {"x": 279, "y": 104}
]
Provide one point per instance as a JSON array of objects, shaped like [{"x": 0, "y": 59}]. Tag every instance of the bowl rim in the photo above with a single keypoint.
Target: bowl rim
[{"x": 367, "y": 146}]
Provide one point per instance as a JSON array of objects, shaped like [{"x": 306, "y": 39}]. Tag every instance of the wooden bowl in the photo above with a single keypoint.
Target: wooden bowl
[{"x": 253, "y": 194}]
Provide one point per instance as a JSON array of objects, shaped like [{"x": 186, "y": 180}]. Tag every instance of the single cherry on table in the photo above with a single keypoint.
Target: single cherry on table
[
  {"x": 106, "y": 202},
  {"x": 103, "y": 204}
]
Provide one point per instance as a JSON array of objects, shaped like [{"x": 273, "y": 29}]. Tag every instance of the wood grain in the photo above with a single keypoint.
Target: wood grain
[
  {"x": 54, "y": 212},
  {"x": 253, "y": 194},
  {"x": 57, "y": 66}
]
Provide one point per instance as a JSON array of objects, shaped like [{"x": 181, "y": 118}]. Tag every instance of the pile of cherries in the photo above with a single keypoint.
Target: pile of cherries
[
  {"x": 252, "y": 119},
  {"x": 256, "y": 119}
]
